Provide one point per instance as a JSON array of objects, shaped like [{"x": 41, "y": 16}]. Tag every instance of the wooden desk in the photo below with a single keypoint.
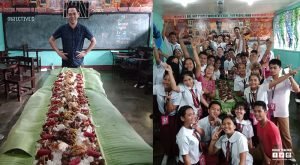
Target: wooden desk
[{"x": 4, "y": 68}]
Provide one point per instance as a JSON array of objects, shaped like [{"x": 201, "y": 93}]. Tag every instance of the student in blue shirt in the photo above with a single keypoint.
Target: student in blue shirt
[{"x": 72, "y": 36}]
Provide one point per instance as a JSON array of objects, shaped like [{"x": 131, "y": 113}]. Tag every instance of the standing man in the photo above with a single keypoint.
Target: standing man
[
  {"x": 279, "y": 99},
  {"x": 72, "y": 36}
]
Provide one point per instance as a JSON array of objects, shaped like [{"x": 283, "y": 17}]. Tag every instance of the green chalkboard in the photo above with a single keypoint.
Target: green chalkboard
[{"x": 112, "y": 30}]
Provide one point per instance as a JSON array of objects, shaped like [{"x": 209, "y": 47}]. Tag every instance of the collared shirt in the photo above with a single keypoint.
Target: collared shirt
[
  {"x": 238, "y": 144},
  {"x": 187, "y": 98},
  {"x": 240, "y": 83},
  {"x": 171, "y": 47},
  {"x": 207, "y": 128},
  {"x": 228, "y": 64},
  {"x": 160, "y": 93},
  {"x": 281, "y": 97},
  {"x": 188, "y": 144},
  {"x": 72, "y": 42},
  {"x": 261, "y": 94},
  {"x": 246, "y": 127}
]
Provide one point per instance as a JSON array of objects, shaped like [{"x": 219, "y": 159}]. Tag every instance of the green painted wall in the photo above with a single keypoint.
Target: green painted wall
[
  {"x": 2, "y": 47},
  {"x": 286, "y": 56},
  {"x": 289, "y": 58}
]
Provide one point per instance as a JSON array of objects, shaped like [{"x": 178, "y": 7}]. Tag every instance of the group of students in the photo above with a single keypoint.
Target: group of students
[{"x": 192, "y": 128}]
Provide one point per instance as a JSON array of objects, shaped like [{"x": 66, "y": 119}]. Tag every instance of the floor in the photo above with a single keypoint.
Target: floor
[{"x": 133, "y": 103}]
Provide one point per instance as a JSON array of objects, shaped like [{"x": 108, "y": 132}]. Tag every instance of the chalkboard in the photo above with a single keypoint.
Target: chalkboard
[{"x": 112, "y": 30}]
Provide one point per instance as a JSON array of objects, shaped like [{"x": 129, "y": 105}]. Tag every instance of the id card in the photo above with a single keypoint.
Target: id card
[
  {"x": 271, "y": 106},
  {"x": 164, "y": 120}
]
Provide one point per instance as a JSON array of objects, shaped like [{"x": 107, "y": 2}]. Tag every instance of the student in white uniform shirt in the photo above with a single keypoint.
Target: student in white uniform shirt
[
  {"x": 191, "y": 91},
  {"x": 228, "y": 63},
  {"x": 241, "y": 80},
  {"x": 266, "y": 54},
  {"x": 159, "y": 67},
  {"x": 168, "y": 102},
  {"x": 171, "y": 43},
  {"x": 209, "y": 125},
  {"x": 187, "y": 137},
  {"x": 279, "y": 99},
  {"x": 241, "y": 113},
  {"x": 217, "y": 66},
  {"x": 238, "y": 41},
  {"x": 233, "y": 144},
  {"x": 220, "y": 43}
]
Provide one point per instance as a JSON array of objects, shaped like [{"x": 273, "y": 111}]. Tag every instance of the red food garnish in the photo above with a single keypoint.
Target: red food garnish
[
  {"x": 75, "y": 161},
  {"x": 87, "y": 134},
  {"x": 47, "y": 136},
  {"x": 52, "y": 115},
  {"x": 93, "y": 153},
  {"x": 42, "y": 152},
  {"x": 50, "y": 122}
]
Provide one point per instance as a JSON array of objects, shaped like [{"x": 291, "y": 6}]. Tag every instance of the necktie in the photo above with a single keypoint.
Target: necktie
[
  {"x": 228, "y": 152},
  {"x": 195, "y": 98},
  {"x": 239, "y": 127}
]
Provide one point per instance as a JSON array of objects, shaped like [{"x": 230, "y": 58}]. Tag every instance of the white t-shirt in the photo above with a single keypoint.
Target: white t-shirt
[
  {"x": 188, "y": 144},
  {"x": 203, "y": 69},
  {"x": 239, "y": 83},
  {"x": 261, "y": 94},
  {"x": 216, "y": 75},
  {"x": 263, "y": 49},
  {"x": 281, "y": 97},
  {"x": 247, "y": 128},
  {"x": 238, "y": 144},
  {"x": 239, "y": 48},
  {"x": 187, "y": 98},
  {"x": 215, "y": 45},
  {"x": 207, "y": 128},
  {"x": 171, "y": 47},
  {"x": 158, "y": 73},
  {"x": 228, "y": 64},
  {"x": 160, "y": 93}
]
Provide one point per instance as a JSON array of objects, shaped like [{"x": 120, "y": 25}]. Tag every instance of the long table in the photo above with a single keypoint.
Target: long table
[{"x": 119, "y": 142}]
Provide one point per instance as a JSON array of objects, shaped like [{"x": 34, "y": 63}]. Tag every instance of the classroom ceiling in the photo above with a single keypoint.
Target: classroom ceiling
[{"x": 173, "y": 7}]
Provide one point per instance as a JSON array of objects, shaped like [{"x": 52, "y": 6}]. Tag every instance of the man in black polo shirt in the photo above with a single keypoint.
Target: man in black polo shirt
[{"x": 72, "y": 36}]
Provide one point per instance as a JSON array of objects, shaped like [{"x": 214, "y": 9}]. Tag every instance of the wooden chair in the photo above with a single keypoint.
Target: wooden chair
[
  {"x": 7, "y": 67},
  {"x": 23, "y": 81},
  {"x": 36, "y": 59}
]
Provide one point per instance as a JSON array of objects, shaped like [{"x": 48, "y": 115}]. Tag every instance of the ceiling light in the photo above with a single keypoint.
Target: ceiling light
[
  {"x": 250, "y": 2},
  {"x": 184, "y": 3}
]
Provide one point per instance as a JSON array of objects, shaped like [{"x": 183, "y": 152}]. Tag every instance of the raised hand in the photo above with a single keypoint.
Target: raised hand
[
  {"x": 216, "y": 134},
  {"x": 168, "y": 68}
]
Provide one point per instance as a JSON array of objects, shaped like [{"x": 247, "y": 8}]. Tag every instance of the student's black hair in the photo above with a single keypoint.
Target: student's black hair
[
  {"x": 182, "y": 110},
  {"x": 172, "y": 33},
  {"x": 186, "y": 73},
  {"x": 213, "y": 103},
  {"x": 174, "y": 51},
  {"x": 211, "y": 56},
  {"x": 232, "y": 118},
  {"x": 256, "y": 75},
  {"x": 72, "y": 6},
  {"x": 225, "y": 52},
  {"x": 244, "y": 54},
  {"x": 175, "y": 68},
  {"x": 183, "y": 65},
  {"x": 203, "y": 53},
  {"x": 246, "y": 108},
  {"x": 275, "y": 62},
  {"x": 230, "y": 49},
  {"x": 254, "y": 51},
  {"x": 261, "y": 104},
  {"x": 181, "y": 113},
  {"x": 236, "y": 28},
  {"x": 220, "y": 47}
]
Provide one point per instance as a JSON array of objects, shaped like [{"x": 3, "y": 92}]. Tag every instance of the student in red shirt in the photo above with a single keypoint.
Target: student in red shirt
[{"x": 268, "y": 134}]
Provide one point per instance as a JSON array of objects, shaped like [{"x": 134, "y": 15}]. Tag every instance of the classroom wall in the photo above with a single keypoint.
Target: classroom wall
[
  {"x": 49, "y": 58},
  {"x": 2, "y": 47},
  {"x": 286, "y": 56}
]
